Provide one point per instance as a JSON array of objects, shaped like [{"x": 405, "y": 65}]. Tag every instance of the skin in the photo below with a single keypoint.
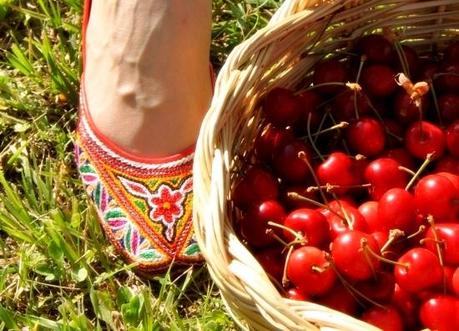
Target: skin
[{"x": 147, "y": 79}]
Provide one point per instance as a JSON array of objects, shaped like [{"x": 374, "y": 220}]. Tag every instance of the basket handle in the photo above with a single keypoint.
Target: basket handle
[{"x": 291, "y": 7}]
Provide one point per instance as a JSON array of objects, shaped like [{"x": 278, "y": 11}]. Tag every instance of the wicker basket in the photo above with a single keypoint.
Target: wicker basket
[{"x": 281, "y": 54}]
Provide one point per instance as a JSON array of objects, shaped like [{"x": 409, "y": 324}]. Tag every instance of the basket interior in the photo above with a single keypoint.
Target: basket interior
[{"x": 286, "y": 60}]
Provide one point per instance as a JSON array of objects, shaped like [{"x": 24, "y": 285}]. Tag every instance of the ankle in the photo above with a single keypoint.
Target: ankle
[{"x": 146, "y": 82}]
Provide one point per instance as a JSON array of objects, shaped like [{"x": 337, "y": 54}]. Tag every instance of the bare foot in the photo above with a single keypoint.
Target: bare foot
[{"x": 147, "y": 77}]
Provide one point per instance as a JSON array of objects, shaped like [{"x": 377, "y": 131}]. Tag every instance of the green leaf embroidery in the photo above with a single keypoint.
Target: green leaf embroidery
[
  {"x": 141, "y": 205},
  {"x": 114, "y": 213},
  {"x": 193, "y": 249},
  {"x": 150, "y": 255},
  {"x": 87, "y": 169}
]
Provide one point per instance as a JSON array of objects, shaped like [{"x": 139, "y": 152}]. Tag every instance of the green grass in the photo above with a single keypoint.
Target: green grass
[{"x": 57, "y": 271}]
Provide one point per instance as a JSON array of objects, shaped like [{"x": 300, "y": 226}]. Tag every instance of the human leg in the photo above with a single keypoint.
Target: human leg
[
  {"x": 145, "y": 89},
  {"x": 147, "y": 65}
]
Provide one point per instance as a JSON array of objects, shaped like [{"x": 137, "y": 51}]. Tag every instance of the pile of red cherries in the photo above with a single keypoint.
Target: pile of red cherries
[{"x": 350, "y": 196}]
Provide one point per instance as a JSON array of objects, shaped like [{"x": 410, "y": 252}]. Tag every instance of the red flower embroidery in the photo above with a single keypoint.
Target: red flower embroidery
[{"x": 167, "y": 205}]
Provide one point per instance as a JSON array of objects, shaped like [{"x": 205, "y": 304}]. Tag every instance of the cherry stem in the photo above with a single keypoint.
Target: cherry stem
[
  {"x": 380, "y": 118},
  {"x": 402, "y": 58},
  {"x": 356, "y": 107},
  {"x": 302, "y": 156},
  {"x": 311, "y": 141},
  {"x": 285, "y": 279},
  {"x": 296, "y": 196},
  {"x": 393, "y": 135},
  {"x": 341, "y": 125},
  {"x": 363, "y": 58},
  {"x": 437, "y": 241},
  {"x": 345, "y": 214},
  {"x": 271, "y": 233},
  {"x": 393, "y": 236},
  {"x": 366, "y": 248},
  {"x": 420, "y": 171},
  {"x": 409, "y": 171},
  {"x": 329, "y": 187},
  {"x": 299, "y": 237},
  {"x": 421, "y": 229},
  {"x": 311, "y": 169},
  {"x": 351, "y": 86},
  {"x": 435, "y": 100},
  {"x": 321, "y": 124}
]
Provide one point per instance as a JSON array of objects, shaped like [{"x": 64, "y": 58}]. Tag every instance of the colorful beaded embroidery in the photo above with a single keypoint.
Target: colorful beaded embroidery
[{"x": 144, "y": 208}]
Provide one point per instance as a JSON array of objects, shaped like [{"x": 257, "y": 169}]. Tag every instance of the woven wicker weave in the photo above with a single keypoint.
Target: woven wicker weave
[{"x": 299, "y": 34}]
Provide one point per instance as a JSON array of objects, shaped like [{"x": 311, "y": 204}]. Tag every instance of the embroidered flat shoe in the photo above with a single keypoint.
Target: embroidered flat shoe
[{"x": 144, "y": 205}]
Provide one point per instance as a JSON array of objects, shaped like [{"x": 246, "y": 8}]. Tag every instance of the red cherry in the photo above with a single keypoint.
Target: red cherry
[
  {"x": 337, "y": 169},
  {"x": 311, "y": 224},
  {"x": 411, "y": 273},
  {"x": 394, "y": 131},
  {"x": 366, "y": 136},
  {"x": 379, "y": 80},
  {"x": 309, "y": 270},
  {"x": 424, "y": 138},
  {"x": 452, "y": 52},
  {"x": 448, "y": 274},
  {"x": 341, "y": 299},
  {"x": 375, "y": 47},
  {"x": 394, "y": 250},
  {"x": 347, "y": 104},
  {"x": 350, "y": 257},
  {"x": 360, "y": 164},
  {"x": 448, "y": 236},
  {"x": 410, "y": 58},
  {"x": 272, "y": 262},
  {"x": 452, "y": 177},
  {"x": 281, "y": 107},
  {"x": 448, "y": 81},
  {"x": 440, "y": 313},
  {"x": 269, "y": 141},
  {"x": 441, "y": 190},
  {"x": 397, "y": 210},
  {"x": 401, "y": 156},
  {"x": 448, "y": 104},
  {"x": 386, "y": 318},
  {"x": 330, "y": 71},
  {"x": 254, "y": 225},
  {"x": 381, "y": 237},
  {"x": 447, "y": 164},
  {"x": 407, "y": 305},
  {"x": 428, "y": 70},
  {"x": 452, "y": 138},
  {"x": 369, "y": 210},
  {"x": 288, "y": 163},
  {"x": 342, "y": 216},
  {"x": 384, "y": 174},
  {"x": 296, "y": 294},
  {"x": 406, "y": 111},
  {"x": 308, "y": 101},
  {"x": 380, "y": 288},
  {"x": 257, "y": 185},
  {"x": 455, "y": 281}
]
